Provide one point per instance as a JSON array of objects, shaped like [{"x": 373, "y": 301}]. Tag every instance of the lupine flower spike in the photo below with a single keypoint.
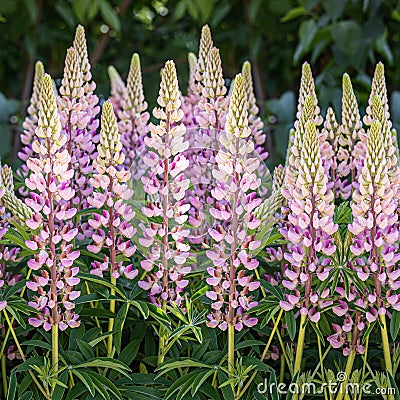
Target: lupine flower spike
[
  {"x": 49, "y": 183},
  {"x": 112, "y": 228},
  {"x": 30, "y": 124},
  {"x": 166, "y": 187},
  {"x": 134, "y": 119}
]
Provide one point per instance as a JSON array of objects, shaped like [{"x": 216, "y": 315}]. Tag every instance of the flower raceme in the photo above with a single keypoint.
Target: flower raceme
[
  {"x": 236, "y": 198},
  {"x": 51, "y": 221},
  {"x": 165, "y": 185},
  {"x": 111, "y": 226}
]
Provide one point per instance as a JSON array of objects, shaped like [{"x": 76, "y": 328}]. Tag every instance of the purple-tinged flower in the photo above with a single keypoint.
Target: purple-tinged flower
[
  {"x": 310, "y": 223},
  {"x": 236, "y": 182},
  {"x": 49, "y": 182},
  {"x": 133, "y": 120},
  {"x": 111, "y": 226},
  {"x": 30, "y": 124},
  {"x": 165, "y": 183}
]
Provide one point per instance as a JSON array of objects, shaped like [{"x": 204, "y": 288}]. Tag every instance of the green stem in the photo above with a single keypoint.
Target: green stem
[
  {"x": 386, "y": 346},
  {"x": 321, "y": 361},
  {"x": 231, "y": 352},
  {"x": 348, "y": 370},
  {"x": 47, "y": 396},
  {"x": 276, "y": 324},
  {"x": 4, "y": 373},
  {"x": 54, "y": 350},
  {"x": 300, "y": 345},
  {"x": 162, "y": 341},
  {"x": 364, "y": 363},
  {"x": 111, "y": 321}
]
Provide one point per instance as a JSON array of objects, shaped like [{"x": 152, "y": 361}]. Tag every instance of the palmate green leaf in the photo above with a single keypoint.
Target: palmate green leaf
[
  {"x": 182, "y": 385},
  {"x": 142, "y": 306},
  {"x": 135, "y": 392},
  {"x": 37, "y": 343},
  {"x": 12, "y": 386},
  {"x": 101, "y": 281},
  {"x": 188, "y": 363},
  {"x": 85, "y": 349},
  {"x": 105, "y": 362},
  {"x": 14, "y": 312},
  {"x": 227, "y": 392},
  {"x": 395, "y": 324},
  {"x": 27, "y": 365},
  {"x": 26, "y": 396},
  {"x": 10, "y": 290},
  {"x": 393, "y": 385},
  {"x": 274, "y": 290},
  {"x": 86, "y": 380},
  {"x": 61, "y": 386},
  {"x": 291, "y": 324},
  {"x": 200, "y": 379},
  {"x": 160, "y": 316},
  {"x": 99, "y": 338}
]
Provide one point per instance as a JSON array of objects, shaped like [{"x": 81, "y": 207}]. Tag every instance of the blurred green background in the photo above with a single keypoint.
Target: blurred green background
[{"x": 335, "y": 36}]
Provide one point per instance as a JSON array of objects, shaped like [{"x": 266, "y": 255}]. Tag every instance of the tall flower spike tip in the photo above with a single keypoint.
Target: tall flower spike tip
[
  {"x": 50, "y": 197},
  {"x": 16, "y": 206},
  {"x": 233, "y": 234},
  {"x": 117, "y": 89},
  {"x": 192, "y": 61},
  {"x": 80, "y": 46},
  {"x": 206, "y": 44},
  {"x": 307, "y": 89},
  {"x": 166, "y": 185},
  {"x": 31, "y": 119},
  {"x": 72, "y": 81},
  {"x": 255, "y": 121},
  {"x": 49, "y": 125},
  {"x": 110, "y": 146},
  {"x": 168, "y": 95},
  {"x": 213, "y": 80},
  {"x": 6, "y": 177},
  {"x": 134, "y": 87}
]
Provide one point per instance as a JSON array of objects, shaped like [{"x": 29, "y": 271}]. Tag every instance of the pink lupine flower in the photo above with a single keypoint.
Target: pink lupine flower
[
  {"x": 310, "y": 227},
  {"x": 374, "y": 208},
  {"x": 165, "y": 238},
  {"x": 133, "y": 120},
  {"x": 111, "y": 226},
  {"x": 231, "y": 258},
  {"x": 50, "y": 193},
  {"x": 30, "y": 124},
  {"x": 78, "y": 107}
]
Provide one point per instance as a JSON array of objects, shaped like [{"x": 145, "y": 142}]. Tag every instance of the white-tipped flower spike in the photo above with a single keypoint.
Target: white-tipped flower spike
[
  {"x": 111, "y": 228},
  {"x": 49, "y": 182},
  {"x": 30, "y": 123},
  {"x": 80, "y": 47},
  {"x": 309, "y": 228},
  {"x": 206, "y": 44},
  {"x": 213, "y": 104},
  {"x": 110, "y": 146},
  {"x": 6, "y": 177},
  {"x": 233, "y": 232},
  {"x": 166, "y": 186},
  {"x": 72, "y": 82},
  {"x": 117, "y": 89},
  {"x": 307, "y": 89},
  {"x": 255, "y": 122},
  {"x": 378, "y": 88},
  {"x": 134, "y": 87},
  {"x": 374, "y": 223},
  {"x": 192, "y": 61},
  {"x": 16, "y": 206},
  {"x": 134, "y": 119}
]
